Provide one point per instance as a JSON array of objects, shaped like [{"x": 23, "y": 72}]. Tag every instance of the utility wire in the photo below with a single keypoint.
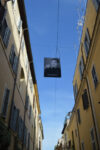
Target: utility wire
[{"x": 57, "y": 38}]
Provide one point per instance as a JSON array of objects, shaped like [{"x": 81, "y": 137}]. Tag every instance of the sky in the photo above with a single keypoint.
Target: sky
[{"x": 55, "y": 94}]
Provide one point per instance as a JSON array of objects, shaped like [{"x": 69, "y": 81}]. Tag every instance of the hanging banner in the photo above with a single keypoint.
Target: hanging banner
[{"x": 52, "y": 67}]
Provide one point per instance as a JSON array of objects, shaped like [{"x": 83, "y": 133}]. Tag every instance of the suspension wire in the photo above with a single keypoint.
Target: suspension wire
[
  {"x": 57, "y": 38},
  {"x": 57, "y": 50}
]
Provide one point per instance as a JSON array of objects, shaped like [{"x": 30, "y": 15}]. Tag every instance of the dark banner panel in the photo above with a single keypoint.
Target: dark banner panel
[{"x": 52, "y": 67}]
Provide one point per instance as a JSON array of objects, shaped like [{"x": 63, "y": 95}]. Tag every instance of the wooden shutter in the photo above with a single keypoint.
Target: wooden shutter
[
  {"x": 30, "y": 110},
  {"x": 20, "y": 128},
  {"x": 6, "y": 36},
  {"x": 12, "y": 116},
  {"x": 78, "y": 116},
  {"x": 2, "y": 14},
  {"x": 96, "y": 4},
  {"x": 28, "y": 141},
  {"x": 94, "y": 76},
  {"x": 19, "y": 25},
  {"x": 12, "y": 54},
  {"x": 85, "y": 100},
  {"x": 5, "y": 102},
  {"x": 25, "y": 135},
  {"x": 87, "y": 42},
  {"x": 15, "y": 119},
  {"x": 15, "y": 64},
  {"x": 27, "y": 102}
]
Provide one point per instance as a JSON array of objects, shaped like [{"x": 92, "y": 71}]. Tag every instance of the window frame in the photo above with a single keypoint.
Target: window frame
[
  {"x": 92, "y": 140},
  {"x": 78, "y": 115},
  {"x": 75, "y": 89},
  {"x": 3, "y": 101},
  {"x": 95, "y": 84},
  {"x": 81, "y": 67},
  {"x": 87, "y": 42}
]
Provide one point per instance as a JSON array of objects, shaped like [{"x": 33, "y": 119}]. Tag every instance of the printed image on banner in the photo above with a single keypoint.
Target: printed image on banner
[{"x": 52, "y": 67}]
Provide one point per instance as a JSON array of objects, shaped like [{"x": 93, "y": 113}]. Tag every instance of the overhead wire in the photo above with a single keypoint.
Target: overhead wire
[
  {"x": 57, "y": 48},
  {"x": 57, "y": 37}
]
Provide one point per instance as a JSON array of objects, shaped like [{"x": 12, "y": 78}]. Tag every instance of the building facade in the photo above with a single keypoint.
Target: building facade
[
  {"x": 19, "y": 99},
  {"x": 83, "y": 130}
]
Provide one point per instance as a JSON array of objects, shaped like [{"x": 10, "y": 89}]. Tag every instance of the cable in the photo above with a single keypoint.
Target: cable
[{"x": 57, "y": 39}]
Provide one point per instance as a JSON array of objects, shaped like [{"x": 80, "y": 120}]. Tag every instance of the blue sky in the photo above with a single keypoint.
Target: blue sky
[{"x": 56, "y": 95}]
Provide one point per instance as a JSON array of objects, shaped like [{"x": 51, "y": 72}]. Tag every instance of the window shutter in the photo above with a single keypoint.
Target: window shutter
[
  {"x": 6, "y": 36},
  {"x": 30, "y": 110},
  {"x": 22, "y": 44},
  {"x": 15, "y": 119},
  {"x": 20, "y": 128},
  {"x": 15, "y": 64},
  {"x": 96, "y": 4},
  {"x": 87, "y": 42},
  {"x": 13, "y": 1},
  {"x": 12, "y": 116},
  {"x": 75, "y": 90},
  {"x": 28, "y": 141},
  {"x": 78, "y": 115},
  {"x": 81, "y": 67},
  {"x": 2, "y": 14},
  {"x": 27, "y": 102},
  {"x": 94, "y": 76},
  {"x": 12, "y": 55},
  {"x": 88, "y": 36},
  {"x": 5, "y": 102},
  {"x": 25, "y": 135},
  {"x": 85, "y": 100},
  {"x": 19, "y": 25}
]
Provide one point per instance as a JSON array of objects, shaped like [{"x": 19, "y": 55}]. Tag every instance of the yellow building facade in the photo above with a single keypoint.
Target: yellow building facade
[
  {"x": 19, "y": 100},
  {"x": 83, "y": 130}
]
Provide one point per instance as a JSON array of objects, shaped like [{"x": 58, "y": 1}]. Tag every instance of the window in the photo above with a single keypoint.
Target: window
[
  {"x": 19, "y": 25},
  {"x": 94, "y": 76},
  {"x": 85, "y": 100},
  {"x": 31, "y": 85},
  {"x": 93, "y": 139},
  {"x": 75, "y": 90},
  {"x": 81, "y": 67},
  {"x": 13, "y": 59},
  {"x": 96, "y": 4},
  {"x": 28, "y": 146},
  {"x": 25, "y": 135},
  {"x": 82, "y": 146},
  {"x": 26, "y": 63},
  {"x": 13, "y": 2},
  {"x": 14, "y": 118},
  {"x": 87, "y": 42},
  {"x": 5, "y": 33},
  {"x": 5, "y": 102},
  {"x": 30, "y": 111},
  {"x": 2, "y": 14},
  {"x": 27, "y": 102},
  {"x": 78, "y": 116},
  {"x": 22, "y": 76},
  {"x": 20, "y": 128},
  {"x": 22, "y": 43},
  {"x": 76, "y": 132}
]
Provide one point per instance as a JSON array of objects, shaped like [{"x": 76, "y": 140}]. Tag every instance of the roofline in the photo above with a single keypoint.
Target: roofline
[
  {"x": 23, "y": 16},
  {"x": 80, "y": 43}
]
